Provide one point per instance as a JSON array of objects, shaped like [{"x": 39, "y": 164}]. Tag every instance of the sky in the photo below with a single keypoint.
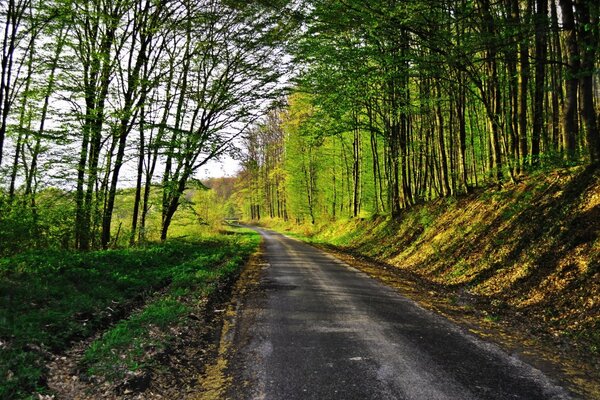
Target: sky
[{"x": 216, "y": 169}]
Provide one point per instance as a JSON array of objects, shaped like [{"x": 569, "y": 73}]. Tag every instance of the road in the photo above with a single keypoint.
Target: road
[{"x": 320, "y": 329}]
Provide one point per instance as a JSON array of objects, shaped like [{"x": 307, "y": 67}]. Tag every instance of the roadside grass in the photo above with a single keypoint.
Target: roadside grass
[{"x": 51, "y": 299}]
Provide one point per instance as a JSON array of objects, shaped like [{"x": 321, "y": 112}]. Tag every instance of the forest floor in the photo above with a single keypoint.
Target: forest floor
[
  {"x": 519, "y": 265},
  {"x": 138, "y": 323}
]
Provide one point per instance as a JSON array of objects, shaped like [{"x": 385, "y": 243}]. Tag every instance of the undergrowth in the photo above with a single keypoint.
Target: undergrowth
[{"x": 51, "y": 299}]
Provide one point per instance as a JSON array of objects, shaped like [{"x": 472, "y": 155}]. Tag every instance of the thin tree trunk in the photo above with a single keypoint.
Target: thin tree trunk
[
  {"x": 355, "y": 172},
  {"x": 138, "y": 183},
  {"x": 462, "y": 134},
  {"x": 541, "y": 28},
  {"x": 445, "y": 186},
  {"x": 15, "y": 12},
  {"x": 23, "y": 125},
  {"x": 133, "y": 90},
  {"x": 524, "y": 72},
  {"x": 556, "y": 78}
]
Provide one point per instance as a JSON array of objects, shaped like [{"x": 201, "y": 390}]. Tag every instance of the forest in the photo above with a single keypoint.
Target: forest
[
  {"x": 398, "y": 103},
  {"x": 342, "y": 109},
  {"x": 97, "y": 96},
  {"x": 449, "y": 138}
]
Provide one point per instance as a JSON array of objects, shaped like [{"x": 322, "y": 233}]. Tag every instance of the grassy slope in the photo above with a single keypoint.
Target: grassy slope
[
  {"x": 529, "y": 251},
  {"x": 50, "y": 299}
]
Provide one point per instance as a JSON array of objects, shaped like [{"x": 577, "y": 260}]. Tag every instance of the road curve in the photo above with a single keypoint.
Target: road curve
[{"x": 323, "y": 330}]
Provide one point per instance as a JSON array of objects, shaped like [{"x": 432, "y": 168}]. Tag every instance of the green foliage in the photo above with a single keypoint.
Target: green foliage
[
  {"x": 426, "y": 218},
  {"x": 201, "y": 213},
  {"x": 48, "y": 224},
  {"x": 397, "y": 103}
]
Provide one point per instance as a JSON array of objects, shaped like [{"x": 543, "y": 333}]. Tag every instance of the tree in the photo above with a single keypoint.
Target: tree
[
  {"x": 447, "y": 95},
  {"x": 97, "y": 48},
  {"x": 145, "y": 50},
  {"x": 13, "y": 14},
  {"x": 233, "y": 71}
]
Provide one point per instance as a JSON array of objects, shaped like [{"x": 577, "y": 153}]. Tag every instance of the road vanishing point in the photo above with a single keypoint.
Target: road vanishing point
[{"x": 320, "y": 329}]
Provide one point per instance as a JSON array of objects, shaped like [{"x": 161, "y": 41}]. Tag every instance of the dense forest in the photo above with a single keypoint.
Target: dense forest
[
  {"x": 101, "y": 95},
  {"x": 400, "y": 102}
]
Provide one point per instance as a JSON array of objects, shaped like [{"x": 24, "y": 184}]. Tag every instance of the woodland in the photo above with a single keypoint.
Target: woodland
[
  {"x": 399, "y": 103},
  {"x": 398, "y": 115}
]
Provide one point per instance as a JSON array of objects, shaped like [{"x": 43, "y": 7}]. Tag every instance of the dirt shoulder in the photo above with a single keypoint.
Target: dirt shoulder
[
  {"x": 225, "y": 367},
  {"x": 173, "y": 371}
]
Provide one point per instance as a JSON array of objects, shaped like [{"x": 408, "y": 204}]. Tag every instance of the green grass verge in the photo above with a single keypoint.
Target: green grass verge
[{"x": 51, "y": 298}]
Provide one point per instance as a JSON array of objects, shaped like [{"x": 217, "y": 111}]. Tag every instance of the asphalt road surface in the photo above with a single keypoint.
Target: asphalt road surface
[{"x": 323, "y": 330}]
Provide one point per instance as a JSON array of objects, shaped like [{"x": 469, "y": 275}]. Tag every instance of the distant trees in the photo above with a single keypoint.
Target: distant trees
[
  {"x": 261, "y": 184},
  {"x": 88, "y": 87},
  {"x": 413, "y": 100}
]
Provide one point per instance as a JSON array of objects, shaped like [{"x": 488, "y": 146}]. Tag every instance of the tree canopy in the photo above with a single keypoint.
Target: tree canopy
[
  {"x": 414, "y": 100},
  {"x": 96, "y": 92}
]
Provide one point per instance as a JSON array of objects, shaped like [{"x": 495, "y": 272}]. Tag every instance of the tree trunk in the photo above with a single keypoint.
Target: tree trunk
[
  {"x": 570, "y": 126},
  {"x": 138, "y": 183},
  {"x": 524, "y": 72},
  {"x": 541, "y": 28},
  {"x": 14, "y": 15},
  {"x": 588, "y": 54},
  {"x": 22, "y": 125},
  {"x": 445, "y": 186},
  {"x": 556, "y": 78},
  {"x": 132, "y": 91},
  {"x": 462, "y": 134},
  {"x": 355, "y": 172}
]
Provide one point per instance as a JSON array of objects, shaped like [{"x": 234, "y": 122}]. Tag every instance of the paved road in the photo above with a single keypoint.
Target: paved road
[{"x": 323, "y": 330}]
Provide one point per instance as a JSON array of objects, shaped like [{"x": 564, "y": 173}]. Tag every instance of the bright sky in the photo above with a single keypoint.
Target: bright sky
[{"x": 215, "y": 169}]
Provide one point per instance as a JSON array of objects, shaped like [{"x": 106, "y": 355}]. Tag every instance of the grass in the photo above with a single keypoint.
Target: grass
[
  {"x": 50, "y": 299},
  {"x": 122, "y": 348}
]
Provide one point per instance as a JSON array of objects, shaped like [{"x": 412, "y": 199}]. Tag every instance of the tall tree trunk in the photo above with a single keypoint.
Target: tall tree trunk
[
  {"x": 541, "y": 30},
  {"x": 524, "y": 74},
  {"x": 588, "y": 54},
  {"x": 393, "y": 182},
  {"x": 15, "y": 11},
  {"x": 98, "y": 67},
  {"x": 462, "y": 134},
  {"x": 132, "y": 96},
  {"x": 490, "y": 92},
  {"x": 29, "y": 187},
  {"x": 154, "y": 146},
  {"x": 23, "y": 125},
  {"x": 512, "y": 60},
  {"x": 138, "y": 182},
  {"x": 81, "y": 236},
  {"x": 168, "y": 176},
  {"x": 556, "y": 78},
  {"x": 445, "y": 186},
  {"x": 356, "y": 171},
  {"x": 570, "y": 125}
]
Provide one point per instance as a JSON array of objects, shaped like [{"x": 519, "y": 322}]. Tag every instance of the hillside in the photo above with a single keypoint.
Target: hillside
[{"x": 524, "y": 259}]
